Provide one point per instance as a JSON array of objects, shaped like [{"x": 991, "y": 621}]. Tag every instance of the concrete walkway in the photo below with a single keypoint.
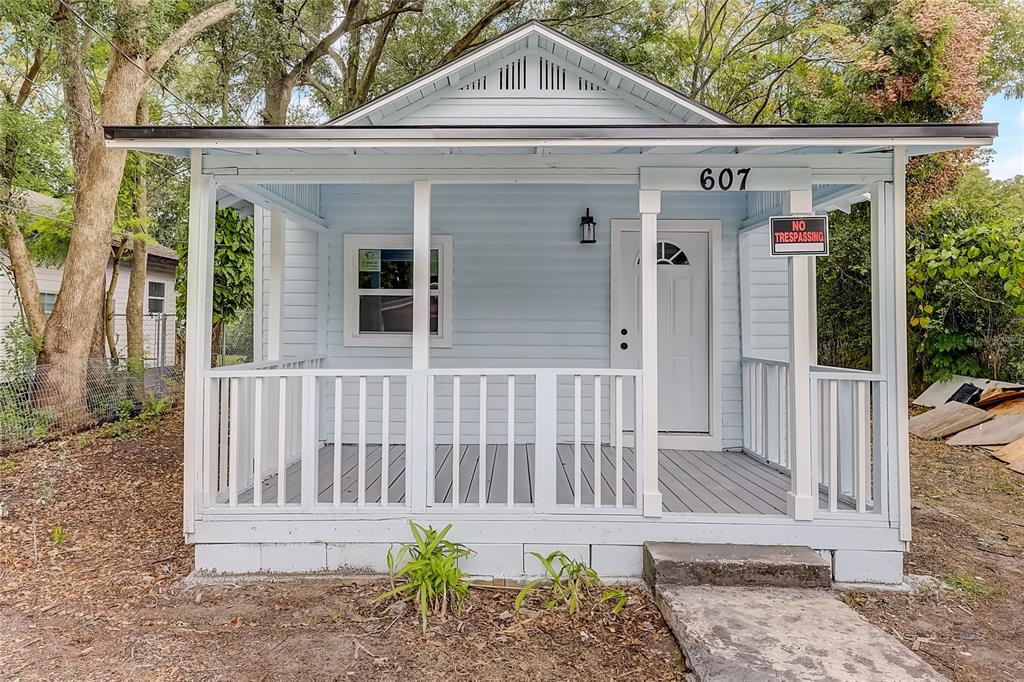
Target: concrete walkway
[{"x": 742, "y": 634}]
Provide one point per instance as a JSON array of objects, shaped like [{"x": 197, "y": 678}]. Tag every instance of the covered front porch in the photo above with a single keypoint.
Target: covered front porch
[{"x": 517, "y": 338}]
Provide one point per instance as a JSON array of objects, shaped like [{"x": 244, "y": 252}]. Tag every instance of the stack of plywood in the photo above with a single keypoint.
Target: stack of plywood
[{"x": 994, "y": 419}]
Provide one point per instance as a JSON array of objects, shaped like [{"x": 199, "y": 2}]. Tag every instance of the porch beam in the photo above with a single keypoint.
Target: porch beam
[
  {"x": 419, "y": 448},
  {"x": 198, "y": 325},
  {"x": 650, "y": 207},
  {"x": 270, "y": 200},
  {"x": 802, "y": 498}
]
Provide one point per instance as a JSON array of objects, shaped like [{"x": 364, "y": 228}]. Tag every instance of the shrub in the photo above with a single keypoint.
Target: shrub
[
  {"x": 570, "y": 581},
  {"x": 426, "y": 572}
]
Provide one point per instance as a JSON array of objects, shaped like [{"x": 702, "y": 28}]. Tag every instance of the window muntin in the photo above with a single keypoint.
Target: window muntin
[
  {"x": 157, "y": 297},
  {"x": 379, "y": 294},
  {"x": 667, "y": 253}
]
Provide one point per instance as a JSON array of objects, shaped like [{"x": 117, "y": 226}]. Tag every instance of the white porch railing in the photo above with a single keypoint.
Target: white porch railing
[
  {"x": 848, "y": 455},
  {"x": 297, "y": 437},
  {"x": 569, "y": 431},
  {"x": 765, "y": 418},
  {"x": 849, "y": 451}
]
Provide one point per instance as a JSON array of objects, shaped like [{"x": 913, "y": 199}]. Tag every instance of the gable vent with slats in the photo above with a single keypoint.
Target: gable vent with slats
[
  {"x": 587, "y": 86},
  {"x": 478, "y": 84},
  {"x": 552, "y": 76},
  {"x": 512, "y": 76}
]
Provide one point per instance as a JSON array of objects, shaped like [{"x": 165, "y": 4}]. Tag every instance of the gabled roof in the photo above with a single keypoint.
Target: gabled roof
[{"x": 602, "y": 72}]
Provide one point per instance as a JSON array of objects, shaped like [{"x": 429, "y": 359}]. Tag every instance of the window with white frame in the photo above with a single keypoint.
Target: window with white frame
[
  {"x": 157, "y": 297},
  {"x": 379, "y": 290}
]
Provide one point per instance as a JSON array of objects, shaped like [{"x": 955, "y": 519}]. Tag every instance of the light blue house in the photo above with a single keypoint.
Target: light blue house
[{"x": 443, "y": 335}]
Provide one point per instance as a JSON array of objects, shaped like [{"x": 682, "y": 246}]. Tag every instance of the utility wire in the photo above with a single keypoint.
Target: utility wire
[{"x": 131, "y": 61}]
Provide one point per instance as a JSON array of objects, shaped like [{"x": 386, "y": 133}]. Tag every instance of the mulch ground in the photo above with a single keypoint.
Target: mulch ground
[
  {"x": 91, "y": 568},
  {"x": 968, "y": 518}
]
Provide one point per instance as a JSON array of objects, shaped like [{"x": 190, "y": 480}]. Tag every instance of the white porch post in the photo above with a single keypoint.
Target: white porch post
[
  {"x": 418, "y": 444},
  {"x": 275, "y": 285},
  {"x": 889, "y": 331},
  {"x": 650, "y": 207},
  {"x": 198, "y": 324},
  {"x": 801, "y": 495}
]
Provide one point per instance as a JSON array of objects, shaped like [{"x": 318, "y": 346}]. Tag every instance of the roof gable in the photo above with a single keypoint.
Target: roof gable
[{"x": 532, "y": 75}]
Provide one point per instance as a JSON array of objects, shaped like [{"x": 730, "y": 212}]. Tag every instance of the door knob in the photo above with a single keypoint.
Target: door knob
[
  {"x": 623, "y": 345},
  {"x": 624, "y": 332}
]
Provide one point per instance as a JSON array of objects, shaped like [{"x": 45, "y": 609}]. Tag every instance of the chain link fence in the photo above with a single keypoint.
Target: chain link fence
[
  {"x": 34, "y": 404},
  {"x": 158, "y": 330}
]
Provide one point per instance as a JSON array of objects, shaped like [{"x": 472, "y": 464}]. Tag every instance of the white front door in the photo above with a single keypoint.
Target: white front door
[{"x": 684, "y": 338}]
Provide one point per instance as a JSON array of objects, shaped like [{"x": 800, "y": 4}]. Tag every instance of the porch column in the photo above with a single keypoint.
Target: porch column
[
  {"x": 418, "y": 445},
  {"x": 275, "y": 285},
  {"x": 650, "y": 207},
  {"x": 801, "y": 501},
  {"x": 198, "y": 326},
  {"x": 889, "y": 347}
]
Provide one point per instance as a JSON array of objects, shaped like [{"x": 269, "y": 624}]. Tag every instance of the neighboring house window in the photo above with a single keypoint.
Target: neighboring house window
[
  {"x": 378, "y": 290},
  {"x": 48, "y": 301},
  {"x": 157, "y": 296}
]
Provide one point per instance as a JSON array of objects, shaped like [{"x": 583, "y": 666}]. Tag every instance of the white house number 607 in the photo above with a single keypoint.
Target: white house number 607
[{"x": 725, "y": 180}]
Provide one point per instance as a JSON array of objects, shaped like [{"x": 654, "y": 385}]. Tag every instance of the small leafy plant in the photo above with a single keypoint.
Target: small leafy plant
[
  {"x": 58, "y": 535},
  {"x": 426, "y": 572},
  {"x": 617, "y": 596},
  {"x": 570, "y": 581}
]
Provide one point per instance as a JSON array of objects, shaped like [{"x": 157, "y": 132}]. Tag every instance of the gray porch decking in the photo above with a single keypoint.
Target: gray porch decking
[{"x": 691, "y": 481}]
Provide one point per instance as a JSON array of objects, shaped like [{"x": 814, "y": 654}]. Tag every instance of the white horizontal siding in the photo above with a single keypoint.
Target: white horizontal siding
[
  {"x": 299, "y": 323},
  {"x": 766, "y": 305},
  {"x": 526, "y": 293}
]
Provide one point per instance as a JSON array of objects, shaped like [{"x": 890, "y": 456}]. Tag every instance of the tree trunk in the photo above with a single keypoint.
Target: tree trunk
[
  {"x": 108, "y": 301},
  {"x": 277, "y": 96},
  {"x": 65, "y": 349},
  {"x": 25, "y": 282},
  {"x": 137, "y": 280}
]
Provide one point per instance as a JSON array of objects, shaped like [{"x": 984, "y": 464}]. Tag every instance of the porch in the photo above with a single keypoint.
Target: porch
[{"x": 690, "y": 481}]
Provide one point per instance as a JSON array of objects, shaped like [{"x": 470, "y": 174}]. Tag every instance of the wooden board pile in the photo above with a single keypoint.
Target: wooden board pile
[{"x": 975, "y": 412}]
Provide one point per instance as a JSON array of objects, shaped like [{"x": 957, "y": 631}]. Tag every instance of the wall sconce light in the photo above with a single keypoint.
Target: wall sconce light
[{"x": 588, "y": 229}]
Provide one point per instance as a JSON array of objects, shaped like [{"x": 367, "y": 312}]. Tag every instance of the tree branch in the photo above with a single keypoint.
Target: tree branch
[
  {"x": 496, "y": 9},
  {"x": 200, "y": 22},
  {"x": 325, "y": 43},
  {"x": 373, "y": 61},
  {"x": 29, "y": 80}
]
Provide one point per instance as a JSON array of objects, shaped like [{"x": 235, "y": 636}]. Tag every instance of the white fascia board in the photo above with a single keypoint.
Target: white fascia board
[{"x": 384, "y": 142}]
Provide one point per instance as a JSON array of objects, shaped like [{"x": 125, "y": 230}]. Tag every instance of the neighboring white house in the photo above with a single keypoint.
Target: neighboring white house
[
  {"x": 436, "y": 342},
  {"x": 158, "y": 309}
]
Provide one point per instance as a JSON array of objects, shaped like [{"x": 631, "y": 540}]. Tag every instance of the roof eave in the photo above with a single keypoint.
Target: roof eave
[{"x": 155, "y": 137}]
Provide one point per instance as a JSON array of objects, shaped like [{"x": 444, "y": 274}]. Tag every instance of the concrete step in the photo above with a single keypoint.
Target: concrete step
[
  {"x": 680, "y": 563},
  {"x": 733, "y": 634}
]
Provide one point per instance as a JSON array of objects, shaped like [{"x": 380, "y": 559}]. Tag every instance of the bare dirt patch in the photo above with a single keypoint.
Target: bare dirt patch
[
  {"x": 91, "y": 562},
  {"x": 968, "y": 520}
]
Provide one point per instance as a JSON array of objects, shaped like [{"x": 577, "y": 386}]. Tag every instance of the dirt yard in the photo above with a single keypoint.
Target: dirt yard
[
  {"x": 969, "y": 535},
  {"x": 91, "y": 560}
]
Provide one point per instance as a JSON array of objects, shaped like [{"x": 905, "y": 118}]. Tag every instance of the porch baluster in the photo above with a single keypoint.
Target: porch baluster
[{"x": 482, "y": 460}]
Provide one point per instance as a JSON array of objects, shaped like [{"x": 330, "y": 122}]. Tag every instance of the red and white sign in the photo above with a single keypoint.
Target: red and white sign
[{"x": 799, "y": 236}]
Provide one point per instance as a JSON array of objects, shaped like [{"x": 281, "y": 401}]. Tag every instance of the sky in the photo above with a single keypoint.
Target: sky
[{"x": 1009, "y": 146}]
